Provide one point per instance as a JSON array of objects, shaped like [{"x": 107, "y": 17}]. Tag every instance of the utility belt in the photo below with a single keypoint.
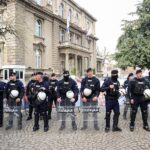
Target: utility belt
[
  {"x": 136, "y": 94},
  {"x": 52, "y": 91},
  {"x": 112, "y": 98},
  {"x": 63, "y": 92}
]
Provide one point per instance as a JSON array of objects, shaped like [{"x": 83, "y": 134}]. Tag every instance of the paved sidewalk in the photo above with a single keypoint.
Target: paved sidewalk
[{"x": 75, "y": 140}]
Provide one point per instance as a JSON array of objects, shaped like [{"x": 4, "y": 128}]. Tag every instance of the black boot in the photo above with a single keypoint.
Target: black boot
[
  {"x": 146, "y": 128},
  {"x": 133, "y": 116},
  {"x": 36, "y": 122},
  {"x": 1, "y": 119},
  {"x": 29, "y": 118},
  {"x": 30, "y": 112},
  {"x": 115, "y": 123},
  {"x": 107, "y": 128},
  {"x": 45, "y": 118},
  {"x": 145, "y": 123},
  {"x": 35, "y": 128},
  {"x": 131, "y": 128},
  {"x": 74, "y": 125},
  {"x": 46, "y": 129},
  {"x": 49, "y": 113}
]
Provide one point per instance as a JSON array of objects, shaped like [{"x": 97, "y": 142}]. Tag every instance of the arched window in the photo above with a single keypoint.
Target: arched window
[
  {"x": 62, "y": 35},
  {"x": 70, "y": 14},
  {"x": 77, "y": 18},
  {"x": 88, "y": 25},
  {"x": 38, "y": 27},
  {"x": 61, "y": 10},
  {"x": 38, "y": 58}
]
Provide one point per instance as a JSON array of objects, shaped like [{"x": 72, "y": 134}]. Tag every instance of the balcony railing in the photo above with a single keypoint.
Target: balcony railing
[{"x": 66, "y": 44}]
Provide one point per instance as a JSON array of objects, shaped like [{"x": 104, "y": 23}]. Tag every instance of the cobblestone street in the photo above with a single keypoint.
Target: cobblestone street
[{"x": 71, "y": 140}]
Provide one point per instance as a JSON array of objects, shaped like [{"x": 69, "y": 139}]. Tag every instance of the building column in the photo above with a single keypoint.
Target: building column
[
  {"x": 76, "y": 63},
  {"x": 82, "y": 65},
  {"x": 67, "y": 61}
]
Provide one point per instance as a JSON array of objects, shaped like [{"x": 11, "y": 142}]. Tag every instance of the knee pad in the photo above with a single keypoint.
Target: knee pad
[
  {"x": 35, "y": 113},
  {"x": 43, "y": 113},
  {"x": 117, "y": 114},
  {"x": 145, "y": 112},
  {"x": 108, "y": 114},
  {"x": 133, "y": 111}
]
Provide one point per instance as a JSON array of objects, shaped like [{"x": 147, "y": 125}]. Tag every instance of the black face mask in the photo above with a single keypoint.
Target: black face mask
[
  {"x": 66, "y": 78},
  {"x": 114, "y": 77}
]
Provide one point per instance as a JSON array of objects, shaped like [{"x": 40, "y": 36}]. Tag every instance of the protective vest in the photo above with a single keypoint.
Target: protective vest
[
  {"x": 39, "y": 87},
  {"x": 52, "y": 86},
  {"x": 139, "y": 87},
  {"x": 114, "y": 92},
  {"x": 66, "y": 86}
]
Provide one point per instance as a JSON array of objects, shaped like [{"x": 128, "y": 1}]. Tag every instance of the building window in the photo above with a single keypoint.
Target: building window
[
  {"x": 70, "y": 14},
  {"x": 78, "y": 40},
  {"x": 38, "y": 27},
  {"x": 98, "y": 66},
  {"x": 77, "y": 18},
  {"x": 61, "y": 10},
  {"x": 88, "y": 25},
  {"x": 38, "y": 2},
  {"x": 38, "y": 55},
  {"x": 86, "y": 63},
  {"x": 89, "y": 44},
  {"x": 62, "y": 35},
  {"x": 71, "y": 37}
]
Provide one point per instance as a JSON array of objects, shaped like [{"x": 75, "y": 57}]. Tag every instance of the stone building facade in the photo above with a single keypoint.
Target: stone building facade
[{"x": 41, "y": 39}]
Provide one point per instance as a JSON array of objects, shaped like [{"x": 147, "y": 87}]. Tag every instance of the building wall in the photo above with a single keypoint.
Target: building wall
[{"x": 20, "y": 50}]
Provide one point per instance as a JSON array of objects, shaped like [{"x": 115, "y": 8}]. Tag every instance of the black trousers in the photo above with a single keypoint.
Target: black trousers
[
  {"x": 41, "y": 110},
  {"x": 50, "y": 104},
  {"x": 1, "y": 109},
  {"x": 144, "y": 110},
  {"x": 30, "y": 107}
]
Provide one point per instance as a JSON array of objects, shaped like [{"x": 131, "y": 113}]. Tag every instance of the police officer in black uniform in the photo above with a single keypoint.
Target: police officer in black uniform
[
  {"x": 111, "y": 87},
  {"x": 45, "y": 78},
  {"x": 127, "y": 103},
  {"x": 136, "y": 90},
  {"x": 14, "y": 86},
  {"x": 92, "y": 83},
  {"x": 52, "y": 96},
  {"x": 30, "y": 94},
  {"x": 40, "y": 102},
  {"x": 65, "y": 85},
  {"x": 2, "y": 87}
]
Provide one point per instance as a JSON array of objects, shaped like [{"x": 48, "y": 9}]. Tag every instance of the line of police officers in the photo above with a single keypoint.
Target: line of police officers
[{"x": 41, "y": 92}]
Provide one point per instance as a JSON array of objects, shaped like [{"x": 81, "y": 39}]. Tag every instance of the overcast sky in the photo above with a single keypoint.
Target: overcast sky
[{"x": 109, "y": 14}]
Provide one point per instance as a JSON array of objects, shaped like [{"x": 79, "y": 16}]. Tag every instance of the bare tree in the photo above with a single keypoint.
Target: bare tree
[{"x": 105, "y": 55}]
